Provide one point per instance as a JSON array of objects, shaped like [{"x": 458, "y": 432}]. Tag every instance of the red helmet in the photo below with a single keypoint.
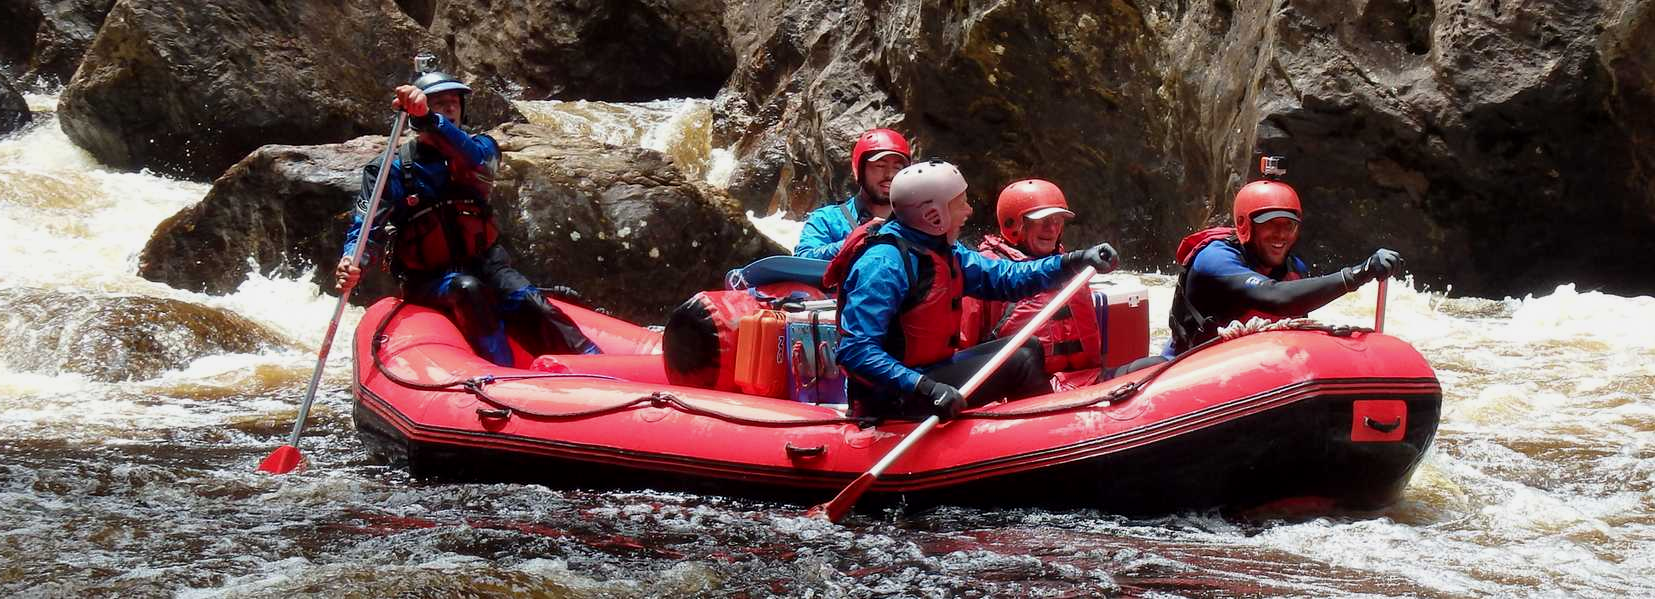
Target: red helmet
[
  {"x": 1260, "y": 201},
  {"x": 872, "y": 145},
  {"x": 1034, "y": 198}
]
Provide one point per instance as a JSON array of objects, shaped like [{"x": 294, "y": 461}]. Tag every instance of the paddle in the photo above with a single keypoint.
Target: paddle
[
  {"x": 840, "y": 505},
  {"x": 1379, "y": 311},
  {"x": 287, "y": 457}
]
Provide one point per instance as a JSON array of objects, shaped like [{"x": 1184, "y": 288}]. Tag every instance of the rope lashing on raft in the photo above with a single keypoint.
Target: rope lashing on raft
[
  {"x": 661, "y": 399},
  {"x": 1238, "y": 329}
]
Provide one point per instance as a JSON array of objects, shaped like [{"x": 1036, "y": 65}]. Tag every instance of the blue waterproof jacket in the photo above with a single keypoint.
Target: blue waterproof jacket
[
  {"x": 877, "y": 283},
  {"x": 826, "y": 229},
  {"x": 430, "y": 177}
]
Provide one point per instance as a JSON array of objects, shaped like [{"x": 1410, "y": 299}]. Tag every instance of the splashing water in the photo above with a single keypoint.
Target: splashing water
[{"x": 1541, "y": 484}]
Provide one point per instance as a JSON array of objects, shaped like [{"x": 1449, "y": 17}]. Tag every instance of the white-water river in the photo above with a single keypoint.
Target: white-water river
[{"x": 1541, "y": 482}]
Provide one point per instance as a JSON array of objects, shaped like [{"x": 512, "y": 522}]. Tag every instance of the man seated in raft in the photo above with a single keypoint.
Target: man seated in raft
[
  {"x": 1031, "y": 215},
  {"x": 436, "y": 225},
  {"x": 1234, "y": 274},
  {"x": 901, "y": 286},
  {"x": 877, "y": 156}
]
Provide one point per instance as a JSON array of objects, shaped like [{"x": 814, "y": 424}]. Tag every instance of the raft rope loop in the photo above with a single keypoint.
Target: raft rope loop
[
  {"x": 661, "y": 399},
  {"x": 476, "y": 386}
]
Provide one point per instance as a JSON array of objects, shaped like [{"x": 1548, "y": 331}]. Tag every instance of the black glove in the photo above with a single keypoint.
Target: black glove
[
  {"x": 946, "y": 401},
  {"x": 1100, "y": 256},
  {"x": 1383, "y": 263}
]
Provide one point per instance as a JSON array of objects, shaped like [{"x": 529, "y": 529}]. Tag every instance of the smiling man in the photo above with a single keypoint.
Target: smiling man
[
  {"x": 874, "y": 162},
  {"x": 1031, "y": 214},
  {"x": 1233, "y": 274}
]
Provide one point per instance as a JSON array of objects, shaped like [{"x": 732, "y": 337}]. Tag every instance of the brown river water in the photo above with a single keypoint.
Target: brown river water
[{"x": 132, "y": 416}]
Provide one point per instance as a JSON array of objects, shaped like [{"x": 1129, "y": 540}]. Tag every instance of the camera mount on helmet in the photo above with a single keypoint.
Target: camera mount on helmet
[{"x": 1272, "y": 167}]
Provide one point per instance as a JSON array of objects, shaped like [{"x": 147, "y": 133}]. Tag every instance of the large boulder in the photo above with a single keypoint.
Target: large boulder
[
  {"x": 284, "y": 208},
  {"x": 1498, "y": 145},
  {"x": 189, "y": 89},
  {"x": 571, "y": 50},
  {"x": 43, "y": 40},
  {"x": 14, "y": 110},
  {"x": 621, "y": 225}
]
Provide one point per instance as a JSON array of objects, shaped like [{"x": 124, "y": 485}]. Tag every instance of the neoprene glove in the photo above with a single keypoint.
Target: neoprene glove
[
  {"x": 1100, "y": 256},
  {"x": 946, "y": 401},
  {"x": 1382, "y": 263}
]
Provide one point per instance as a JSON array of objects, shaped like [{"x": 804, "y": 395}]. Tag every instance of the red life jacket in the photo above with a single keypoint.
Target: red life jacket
[
  {"x": 1189, "y": 326},
  {"x": 1071, "y": 338},
  {"x": 929, "y": 315},
  {"x": 448, "y": 230}
]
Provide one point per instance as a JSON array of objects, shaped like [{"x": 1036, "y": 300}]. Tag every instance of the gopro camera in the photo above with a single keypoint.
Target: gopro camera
[
  {"x": 1272, "y": 166},
  {"x": 425, "y": 62}
]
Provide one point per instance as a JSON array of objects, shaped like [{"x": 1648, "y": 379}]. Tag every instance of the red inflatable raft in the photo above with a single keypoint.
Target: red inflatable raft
[{"x": 1327, "y": 418}]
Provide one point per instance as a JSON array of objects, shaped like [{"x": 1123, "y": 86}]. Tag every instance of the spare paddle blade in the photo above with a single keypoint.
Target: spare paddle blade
[
  {"x": 282, "y": 461},
  {"x": 835, "y": 510}
]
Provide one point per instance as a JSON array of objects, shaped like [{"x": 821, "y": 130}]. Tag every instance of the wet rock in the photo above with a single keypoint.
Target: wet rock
[
  {"x": 621, "y": 225},
  {"x": 284, "y": 207},
  {"x": 570, "y": 50},
  {"x": 14, "y": 110},
  {"x": 43, "y": 40},
  {"x": 113, "y": 338},
  {"x": 1467, "y": 135},
  {"x": 190, "y": 91}
]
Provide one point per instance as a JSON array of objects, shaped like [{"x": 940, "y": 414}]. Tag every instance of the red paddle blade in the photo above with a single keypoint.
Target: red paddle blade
[
  {"x": 835, "y": 510},
  {"x": 282, "y": 461}
]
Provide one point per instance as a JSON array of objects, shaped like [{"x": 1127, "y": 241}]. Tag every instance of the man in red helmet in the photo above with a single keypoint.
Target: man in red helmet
[
  {"x": 1236, "y": 273},
  {"x": 1031, "y": 214},
  {"x": 874, "y": 161}
]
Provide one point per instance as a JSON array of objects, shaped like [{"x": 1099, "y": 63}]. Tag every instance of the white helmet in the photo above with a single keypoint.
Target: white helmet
[{"x": 920, "y": 194}]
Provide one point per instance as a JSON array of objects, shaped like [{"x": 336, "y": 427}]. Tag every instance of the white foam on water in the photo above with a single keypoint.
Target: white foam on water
[
  {"x": 65, "y": 221},
  {"x": 778, "y": 228},
  {"x": 1568, "y": 315}
]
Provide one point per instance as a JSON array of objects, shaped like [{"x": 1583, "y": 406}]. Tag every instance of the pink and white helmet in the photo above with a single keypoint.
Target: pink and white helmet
[{"x": 920, "y": 194}]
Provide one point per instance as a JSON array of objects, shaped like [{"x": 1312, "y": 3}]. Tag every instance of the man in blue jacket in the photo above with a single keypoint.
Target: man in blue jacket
[
  {"x": 440, "y": 233},
  {"x": 874, "y": 161},
  {"x": 900, "y": 295}
]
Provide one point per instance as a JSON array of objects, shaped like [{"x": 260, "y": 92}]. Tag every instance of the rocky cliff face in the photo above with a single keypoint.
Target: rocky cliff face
[
  {"x": 613, "y": 51},
  {"x": 620, "y": 225},
  {"x": 1501, "y": 145}
]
